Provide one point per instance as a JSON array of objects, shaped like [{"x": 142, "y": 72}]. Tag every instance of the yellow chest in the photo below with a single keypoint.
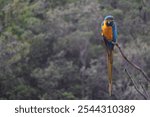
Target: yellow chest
[{"x": 107, "y": 32}]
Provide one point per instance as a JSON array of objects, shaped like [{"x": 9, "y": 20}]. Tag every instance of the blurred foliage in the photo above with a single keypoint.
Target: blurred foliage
[{"x": 50, "y": 49}]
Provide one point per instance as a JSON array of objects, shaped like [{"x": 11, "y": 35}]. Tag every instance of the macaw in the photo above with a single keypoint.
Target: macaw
[{"x": 109, "y": 34}]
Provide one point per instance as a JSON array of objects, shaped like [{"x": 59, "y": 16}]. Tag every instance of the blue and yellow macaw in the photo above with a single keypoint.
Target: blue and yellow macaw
[{"x": 109, "y": 33}]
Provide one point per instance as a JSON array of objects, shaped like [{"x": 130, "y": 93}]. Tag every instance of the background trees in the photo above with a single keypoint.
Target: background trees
[{"x": 52, "y": 49}]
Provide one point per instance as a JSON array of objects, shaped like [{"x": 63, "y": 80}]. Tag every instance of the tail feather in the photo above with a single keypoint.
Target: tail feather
[{"x": 109, "y": 64}]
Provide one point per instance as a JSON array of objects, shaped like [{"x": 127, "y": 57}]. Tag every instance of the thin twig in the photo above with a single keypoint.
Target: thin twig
[
  {"x": 144, "y": 89},
  {"x": 135, "y": 86},
  {"x": 134, "y": 65}
]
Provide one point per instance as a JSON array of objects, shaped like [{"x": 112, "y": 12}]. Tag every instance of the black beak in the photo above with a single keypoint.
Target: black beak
[{"x": 110, "y": 23}]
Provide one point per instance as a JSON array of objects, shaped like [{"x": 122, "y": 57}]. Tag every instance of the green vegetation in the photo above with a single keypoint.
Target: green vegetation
[{"x": 50, "y": 49}]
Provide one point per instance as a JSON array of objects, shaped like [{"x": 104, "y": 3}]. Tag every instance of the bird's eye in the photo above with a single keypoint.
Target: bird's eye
[{"x": 108, "y": 22}]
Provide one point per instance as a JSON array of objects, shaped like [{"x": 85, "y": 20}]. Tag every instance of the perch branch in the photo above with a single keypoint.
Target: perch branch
[
  {"x": 135, "y": 86},
  {"x": 134, "y": 65}
]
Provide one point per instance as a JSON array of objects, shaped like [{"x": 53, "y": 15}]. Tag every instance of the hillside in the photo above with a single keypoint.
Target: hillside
[{"x": 51, "y": 49}]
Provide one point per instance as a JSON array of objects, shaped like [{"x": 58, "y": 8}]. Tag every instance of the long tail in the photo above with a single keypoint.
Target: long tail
[{"x": 109, "y": 65}]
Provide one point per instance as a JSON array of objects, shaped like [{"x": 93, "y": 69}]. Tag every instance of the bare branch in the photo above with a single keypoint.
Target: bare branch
[
  {"x": 135, "y": 86},
  {"x": 134, "y": 65},
  {"x": 144, "y": 90}
]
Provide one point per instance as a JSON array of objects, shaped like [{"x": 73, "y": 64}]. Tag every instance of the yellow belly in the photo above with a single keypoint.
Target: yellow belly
[{"x": 107, "y": 32}]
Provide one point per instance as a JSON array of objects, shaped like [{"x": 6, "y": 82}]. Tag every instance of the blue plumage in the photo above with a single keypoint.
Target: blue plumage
[{"x": 115, "y": 35}]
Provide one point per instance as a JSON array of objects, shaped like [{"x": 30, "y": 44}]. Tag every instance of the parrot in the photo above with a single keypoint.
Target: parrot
[{"x": 109, "y": 34}]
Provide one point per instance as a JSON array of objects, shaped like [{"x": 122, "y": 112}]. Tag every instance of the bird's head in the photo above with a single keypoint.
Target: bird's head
[{"x": 109, "y": 20}]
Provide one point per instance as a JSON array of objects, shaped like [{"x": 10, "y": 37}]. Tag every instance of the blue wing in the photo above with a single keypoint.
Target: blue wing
[{"x": 115, "y": 35}]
